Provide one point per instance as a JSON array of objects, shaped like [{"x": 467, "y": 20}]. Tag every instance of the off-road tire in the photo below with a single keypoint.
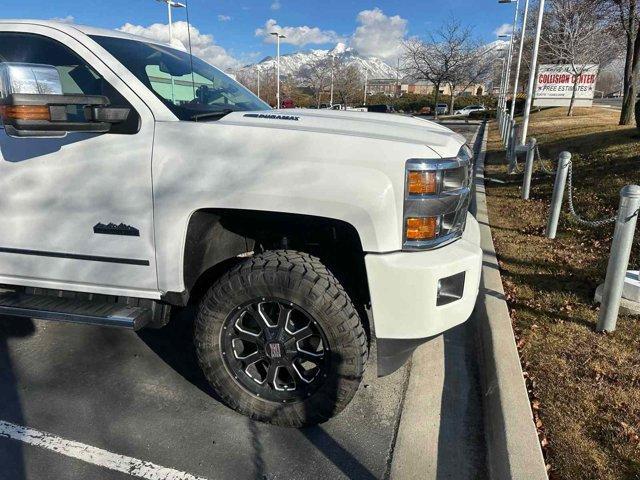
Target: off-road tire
[{"x": 302, "y": 279}]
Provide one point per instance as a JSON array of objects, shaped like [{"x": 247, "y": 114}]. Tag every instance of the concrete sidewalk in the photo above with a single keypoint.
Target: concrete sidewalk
[{"x": 441, "y": 432}]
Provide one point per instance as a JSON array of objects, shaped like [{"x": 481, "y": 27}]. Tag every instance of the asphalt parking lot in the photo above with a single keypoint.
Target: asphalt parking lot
[
  {"x": 139, "y": 397},
  {"x": 615, "y": 103}
]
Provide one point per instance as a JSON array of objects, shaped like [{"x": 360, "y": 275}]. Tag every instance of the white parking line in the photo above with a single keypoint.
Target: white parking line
[{"x": 96, "y": 456}]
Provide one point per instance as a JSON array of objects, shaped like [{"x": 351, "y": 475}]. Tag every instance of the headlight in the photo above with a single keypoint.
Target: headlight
[{"x": 436, "y": 201}]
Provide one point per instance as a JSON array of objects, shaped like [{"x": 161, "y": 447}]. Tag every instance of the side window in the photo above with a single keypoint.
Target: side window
[{"x": 76, "y": 76}]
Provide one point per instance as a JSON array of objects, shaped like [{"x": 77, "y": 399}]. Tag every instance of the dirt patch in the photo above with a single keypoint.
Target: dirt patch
[{"x": 585, "y": 386}]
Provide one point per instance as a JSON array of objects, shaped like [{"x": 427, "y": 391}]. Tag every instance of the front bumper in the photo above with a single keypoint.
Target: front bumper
[{"x": 406, "y": 305}]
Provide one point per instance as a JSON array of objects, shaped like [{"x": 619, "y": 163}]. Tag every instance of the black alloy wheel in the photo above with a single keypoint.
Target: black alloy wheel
[{"x": 275, "y": 350}]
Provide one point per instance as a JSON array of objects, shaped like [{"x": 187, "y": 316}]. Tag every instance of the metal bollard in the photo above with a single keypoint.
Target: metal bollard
[
  {"x": 619, "y": 258},
  {"x": 508, "y": 128},
  {"x": 512, "y": 141},
  {"x": 505, "y": 128},
  {"x": 528, "y": 168},
  {"x": 511, "y": 138},
  {"x": 558, "y": 194}
]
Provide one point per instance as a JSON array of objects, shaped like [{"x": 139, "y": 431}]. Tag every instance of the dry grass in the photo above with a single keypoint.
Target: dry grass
[{"x": 585, "y": 386}]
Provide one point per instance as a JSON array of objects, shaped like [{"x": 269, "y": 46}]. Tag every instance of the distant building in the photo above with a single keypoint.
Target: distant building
[
  {"x": 393, "y": 87},
  {"x": 387, "y": 86},
  {"x": 418, "y": 87}
]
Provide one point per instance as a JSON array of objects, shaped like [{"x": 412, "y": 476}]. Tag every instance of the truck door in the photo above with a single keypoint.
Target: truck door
[{"x": 76, "y": 212}]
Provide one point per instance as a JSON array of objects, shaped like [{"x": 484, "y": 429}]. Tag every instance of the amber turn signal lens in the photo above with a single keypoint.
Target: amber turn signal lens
[
  {"x": 421, "y": 182},
  {"x": 25, "y": 112},
  {"x": 422, "y": 228}
]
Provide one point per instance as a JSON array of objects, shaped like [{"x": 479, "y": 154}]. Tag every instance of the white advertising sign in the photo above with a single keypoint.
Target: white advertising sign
[{"x": 555, "y": 84}]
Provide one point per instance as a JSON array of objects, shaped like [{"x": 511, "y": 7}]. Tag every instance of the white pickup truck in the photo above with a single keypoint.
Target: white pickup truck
[{"x": 135, "y": 179}]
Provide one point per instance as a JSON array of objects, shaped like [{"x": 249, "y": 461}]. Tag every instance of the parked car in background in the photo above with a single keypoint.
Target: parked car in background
[
  {"x": 468, "y": 109},
  {"x": 425, "y": 111},
  {"x": 380, "y": 108},
  {"x": 288, "y": 103},
  {"x": 442, "y": 109},
  {"x": 328, "y": 106}
]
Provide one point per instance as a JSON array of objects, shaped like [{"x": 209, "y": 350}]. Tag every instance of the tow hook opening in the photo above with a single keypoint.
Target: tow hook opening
[{"x": 450, "y": 289}]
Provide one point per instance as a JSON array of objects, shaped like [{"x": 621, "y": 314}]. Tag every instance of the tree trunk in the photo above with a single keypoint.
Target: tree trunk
[
  {"x": 573, "y": 95},
  {"x": 453, "y": 100},
  {"x": 631, "y": 67},
  {"x": 435, "y": 101}
]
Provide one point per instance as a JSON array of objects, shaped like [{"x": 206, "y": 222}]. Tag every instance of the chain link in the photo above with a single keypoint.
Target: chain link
[
  {"x": 572, "y": 210},
  {"x": 516, "y": 165},
  {"x": 543, "y": 166},
  {"x": 545, "y": 169}
]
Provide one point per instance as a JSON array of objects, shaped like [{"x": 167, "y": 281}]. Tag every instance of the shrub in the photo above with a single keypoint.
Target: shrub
[{"x": 482, "y": 115}]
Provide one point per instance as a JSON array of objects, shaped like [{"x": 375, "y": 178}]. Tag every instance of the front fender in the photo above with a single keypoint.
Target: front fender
[{"x": 198, "y": 166}]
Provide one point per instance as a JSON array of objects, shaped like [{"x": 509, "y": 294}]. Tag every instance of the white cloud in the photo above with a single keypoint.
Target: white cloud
[
  {"x": 276, "y": 5},
  {"x": 203, "y": 45},
  {"x": 67, "y": 19},
  {"x": 504, "y": 29},
  {"x": 379, "y": 35},
  {"x": 224, "y": 18},
  {"x": 298, "y": 36}
]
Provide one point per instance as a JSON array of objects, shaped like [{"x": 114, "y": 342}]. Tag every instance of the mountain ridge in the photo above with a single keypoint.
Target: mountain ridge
[{"x": 292, "y": 63}]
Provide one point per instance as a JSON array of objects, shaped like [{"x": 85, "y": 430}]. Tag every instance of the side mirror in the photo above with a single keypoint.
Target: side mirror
[{"x": 32, "y": 104}]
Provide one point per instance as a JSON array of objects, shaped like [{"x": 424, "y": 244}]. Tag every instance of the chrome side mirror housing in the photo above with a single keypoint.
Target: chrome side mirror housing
[
  {"x": 29, "y": 78},
  {"x": 32, "y": 104}
]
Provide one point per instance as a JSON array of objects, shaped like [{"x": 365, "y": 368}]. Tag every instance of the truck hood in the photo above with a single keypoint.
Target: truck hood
[{"x": 399, "y": 128}]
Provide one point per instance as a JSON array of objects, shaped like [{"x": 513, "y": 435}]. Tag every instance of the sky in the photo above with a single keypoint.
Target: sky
[{"x": 231, "y": 33}]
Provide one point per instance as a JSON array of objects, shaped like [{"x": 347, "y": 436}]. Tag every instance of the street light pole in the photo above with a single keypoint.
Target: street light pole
[
  {"x": 501, "y": 83},
  {"x": 278, "y": 37},
  {"x": 333, "y": 61},
  {"x": 503, "y": 78},
  {"x": 508, "y": 75},
  {"x": 517, "y": 79},
  {"x": 171, "y": 4},
  {"x": 532, "y": 75},
  {"x": 170, "y": 22},
  {"x": 366, "y": 80},
  {"x": 398, "y": 89},
  {"x": 258, "y": 71}
]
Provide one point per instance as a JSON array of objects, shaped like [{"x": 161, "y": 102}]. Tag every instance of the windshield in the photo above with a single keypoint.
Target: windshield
[{"x": 201, "y": 92}]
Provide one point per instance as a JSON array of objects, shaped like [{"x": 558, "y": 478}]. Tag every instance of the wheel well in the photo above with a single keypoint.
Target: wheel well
[{"x": 217, "y": 239}]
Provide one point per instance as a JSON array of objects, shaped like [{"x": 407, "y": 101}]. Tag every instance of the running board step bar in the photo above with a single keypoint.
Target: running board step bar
[{"x": 46, "y": 307}]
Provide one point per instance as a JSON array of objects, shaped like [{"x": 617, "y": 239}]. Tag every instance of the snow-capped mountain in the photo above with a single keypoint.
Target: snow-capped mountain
[{"x": 292, "y": 63}]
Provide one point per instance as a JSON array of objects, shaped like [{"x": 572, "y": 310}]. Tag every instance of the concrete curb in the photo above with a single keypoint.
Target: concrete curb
[{"x": 513, "y": 449}]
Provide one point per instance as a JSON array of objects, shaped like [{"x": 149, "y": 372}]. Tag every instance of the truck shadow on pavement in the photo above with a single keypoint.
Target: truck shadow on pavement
[
  {"x": 461, "y": 443},
  {"x": 174, "y": 345},
  {"x": 11, "y": 455}
]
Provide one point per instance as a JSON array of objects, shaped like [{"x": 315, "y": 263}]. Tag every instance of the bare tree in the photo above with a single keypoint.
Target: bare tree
[
  {"x": 347, "y": 82},
  {"x": 442, "y": 58},
  {"x": 576, "y": 33},
  {"x": 474, "y": 66},
  {"x": 627, "y": 17},
  {"x": 611, "y": 79},
  {"x": 317, "y": 76}
]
